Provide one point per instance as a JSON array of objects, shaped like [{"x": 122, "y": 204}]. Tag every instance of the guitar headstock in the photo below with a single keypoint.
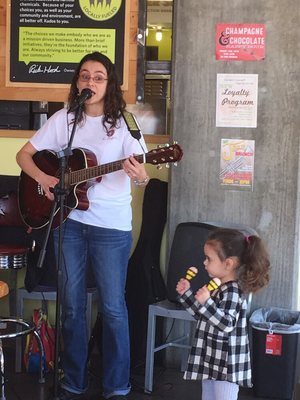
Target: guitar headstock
[{"x": 171, "y": 153}]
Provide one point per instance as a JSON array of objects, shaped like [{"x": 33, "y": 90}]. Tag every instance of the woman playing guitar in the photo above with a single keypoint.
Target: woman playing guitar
[{"x": 102, "y": 231}]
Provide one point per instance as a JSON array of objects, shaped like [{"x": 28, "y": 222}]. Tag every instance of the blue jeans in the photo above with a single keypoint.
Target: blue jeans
[{"x": 109, "y": 251}]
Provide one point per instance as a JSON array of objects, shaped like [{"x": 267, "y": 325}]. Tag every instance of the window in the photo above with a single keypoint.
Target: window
[{"x": 154, "y": 65}]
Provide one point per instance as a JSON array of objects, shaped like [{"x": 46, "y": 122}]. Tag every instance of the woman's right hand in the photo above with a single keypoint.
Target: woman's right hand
[
  {"x": 47, "y": 183},
  {"x": 25, "y": 160}
]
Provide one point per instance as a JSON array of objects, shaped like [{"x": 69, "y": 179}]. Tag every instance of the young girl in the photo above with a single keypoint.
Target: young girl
[{"x": 220, "y": 352}]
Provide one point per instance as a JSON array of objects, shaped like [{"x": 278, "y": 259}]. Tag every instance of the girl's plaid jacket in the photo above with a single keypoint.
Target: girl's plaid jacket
[{"x": 221, "y": 347}]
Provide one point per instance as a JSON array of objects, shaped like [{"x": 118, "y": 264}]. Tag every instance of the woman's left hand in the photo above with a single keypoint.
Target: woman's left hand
[{"x": 134, "y": 169}]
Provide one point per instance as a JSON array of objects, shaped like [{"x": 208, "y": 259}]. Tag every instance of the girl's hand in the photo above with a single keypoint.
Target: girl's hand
[
  {"x": 182, "y": 286},
  {"x": 202, "y": 295}
]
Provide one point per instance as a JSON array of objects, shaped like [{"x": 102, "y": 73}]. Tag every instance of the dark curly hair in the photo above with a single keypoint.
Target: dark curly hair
[
  {"x": 254, "y": 265},
  {"x": 114, "y": 102}
]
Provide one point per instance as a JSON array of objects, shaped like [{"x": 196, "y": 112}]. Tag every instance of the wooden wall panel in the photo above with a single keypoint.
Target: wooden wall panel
[
  {"x": 3, "y": 45},
  {"x": 2, "y": 14}
]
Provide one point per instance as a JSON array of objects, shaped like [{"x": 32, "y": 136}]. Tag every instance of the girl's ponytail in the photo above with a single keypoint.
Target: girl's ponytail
[{"x": 253, "y": 272}]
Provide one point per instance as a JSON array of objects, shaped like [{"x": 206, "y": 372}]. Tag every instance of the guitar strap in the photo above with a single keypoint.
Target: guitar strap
[{"x": 132, "y": 124}]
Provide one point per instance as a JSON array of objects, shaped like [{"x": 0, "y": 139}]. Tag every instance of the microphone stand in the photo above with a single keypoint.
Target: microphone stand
[{"x": 60, "y": 192}]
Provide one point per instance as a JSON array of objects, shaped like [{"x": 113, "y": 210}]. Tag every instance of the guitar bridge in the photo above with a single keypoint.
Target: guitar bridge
[{"x": 40, "y": 190}]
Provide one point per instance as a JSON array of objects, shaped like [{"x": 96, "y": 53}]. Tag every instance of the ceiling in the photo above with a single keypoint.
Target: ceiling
[{"x": 159, "y": 14}]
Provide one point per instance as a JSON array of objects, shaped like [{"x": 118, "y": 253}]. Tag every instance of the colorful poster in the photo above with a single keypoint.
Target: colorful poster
[
  {"x": 237, "y": 164},
  {"x": 236, "y": 100},
  {"x": 240, "y": 42}
]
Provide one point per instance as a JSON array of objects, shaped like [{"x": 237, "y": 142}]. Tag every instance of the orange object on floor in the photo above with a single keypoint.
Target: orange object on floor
[{"x": 3, "y": 289}]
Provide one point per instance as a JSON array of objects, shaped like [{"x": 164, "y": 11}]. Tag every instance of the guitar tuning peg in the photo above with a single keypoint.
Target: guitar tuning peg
[
  {"x": 167, "y": 145},
  {"x": 175, "y": 163},
  {"x": 167, "y": 165},
  {"x": 159, "y": 167}
]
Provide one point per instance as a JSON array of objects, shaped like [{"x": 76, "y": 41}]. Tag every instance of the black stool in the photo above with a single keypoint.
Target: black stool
[
  {"x": 13, "y": 258},
  {"x": 27, "y": 328}
]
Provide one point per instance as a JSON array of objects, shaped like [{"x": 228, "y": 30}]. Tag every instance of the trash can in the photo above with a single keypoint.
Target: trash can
[{"x": 274, "y": 351}]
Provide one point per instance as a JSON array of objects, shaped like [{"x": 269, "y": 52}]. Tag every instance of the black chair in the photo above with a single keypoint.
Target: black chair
[{"x": 186, "y": 251}]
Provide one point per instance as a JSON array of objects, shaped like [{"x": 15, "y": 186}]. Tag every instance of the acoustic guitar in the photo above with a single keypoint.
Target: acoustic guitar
[{"x": 36, "y": 209}]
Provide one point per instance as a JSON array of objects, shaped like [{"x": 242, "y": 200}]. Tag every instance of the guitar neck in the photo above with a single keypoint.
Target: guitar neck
[{"x": 85, "y": 174}]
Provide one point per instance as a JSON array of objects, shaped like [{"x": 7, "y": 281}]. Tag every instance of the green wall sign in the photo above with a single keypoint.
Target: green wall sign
[{"x": 48, "y": 38}]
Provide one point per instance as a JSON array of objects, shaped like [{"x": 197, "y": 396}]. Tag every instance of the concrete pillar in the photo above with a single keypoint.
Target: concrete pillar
[{"x": 195, "y": 192}]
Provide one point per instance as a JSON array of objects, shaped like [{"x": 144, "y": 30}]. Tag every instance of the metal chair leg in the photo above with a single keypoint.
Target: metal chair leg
[
  {"x": 2, "y": 372},
  {"x": 150, "y": 351}
]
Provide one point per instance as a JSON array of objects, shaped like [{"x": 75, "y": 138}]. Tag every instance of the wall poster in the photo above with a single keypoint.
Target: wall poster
[
  {"x": 237, "y": 164},
  {"x": 236, "y": 100},
  {"x": 240, "y": 42},
  {"x": 49, "y": 37}
]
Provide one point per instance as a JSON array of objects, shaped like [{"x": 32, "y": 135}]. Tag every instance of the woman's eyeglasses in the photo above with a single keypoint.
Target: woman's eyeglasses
[{"x": 96, "y": 78}]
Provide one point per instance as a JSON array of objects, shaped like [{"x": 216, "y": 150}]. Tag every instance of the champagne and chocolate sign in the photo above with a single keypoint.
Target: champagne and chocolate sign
[{"x": 244, "y": 42}]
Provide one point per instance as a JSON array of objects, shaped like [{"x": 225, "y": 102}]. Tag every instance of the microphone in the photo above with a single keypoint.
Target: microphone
[
  {"x": 191, "y": 273},
  {"x": 85, "y": 94},
  {"x": 213, "y": 284}
]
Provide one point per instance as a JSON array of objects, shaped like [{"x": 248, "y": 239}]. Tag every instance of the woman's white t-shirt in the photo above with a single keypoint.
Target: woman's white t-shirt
[{"x": 110, "y": 199}]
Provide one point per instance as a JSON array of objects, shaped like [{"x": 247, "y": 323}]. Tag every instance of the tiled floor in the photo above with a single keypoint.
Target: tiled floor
[{"x": 168, "y": 384}]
